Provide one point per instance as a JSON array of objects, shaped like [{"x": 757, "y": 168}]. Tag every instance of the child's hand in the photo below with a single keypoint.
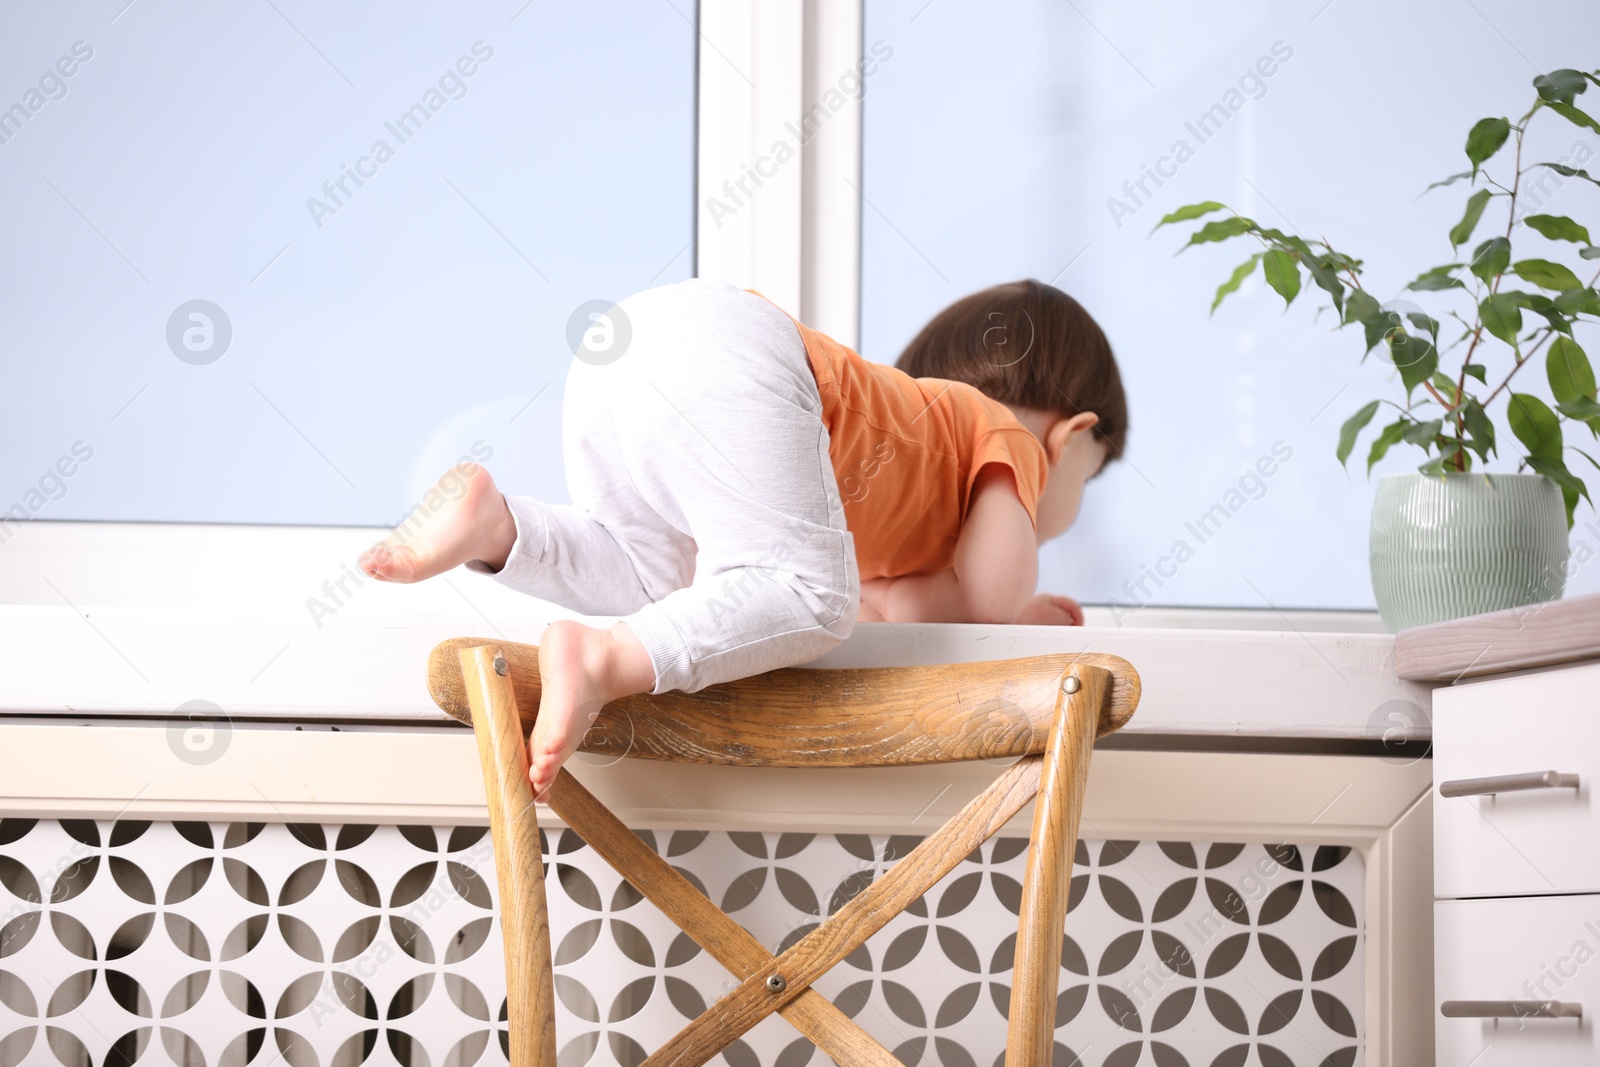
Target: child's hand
[{"x": 1046, "y": 609}]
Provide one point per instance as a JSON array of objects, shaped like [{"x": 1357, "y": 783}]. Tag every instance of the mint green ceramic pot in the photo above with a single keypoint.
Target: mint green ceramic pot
[{"x": 1461, "y": 544}]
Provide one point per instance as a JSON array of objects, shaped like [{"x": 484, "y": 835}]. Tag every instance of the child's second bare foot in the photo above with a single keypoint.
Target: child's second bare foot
[
  {"x": 468, "y": 520},
  {"x": 581, "y": 669}
]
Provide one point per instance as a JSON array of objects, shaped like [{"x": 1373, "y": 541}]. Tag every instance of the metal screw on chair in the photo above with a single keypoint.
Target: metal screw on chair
[
  {"x": 500, "y": 666},
  {"x": 776, "y": 983},
  {"x": 1070, "y": 684}
]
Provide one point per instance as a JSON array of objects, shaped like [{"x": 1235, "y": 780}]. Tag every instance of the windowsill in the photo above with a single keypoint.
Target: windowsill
[{"x": 140, "y": 619}]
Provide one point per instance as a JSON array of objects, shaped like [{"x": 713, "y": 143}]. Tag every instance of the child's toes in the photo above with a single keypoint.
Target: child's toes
[
  {"x": 398, "y": 563},
  {"x": 541, "y": 748},
  {"x": 543, "y": 766},
  {"x": 379, "y": 562},
  {"x": 543, "y": 778}
]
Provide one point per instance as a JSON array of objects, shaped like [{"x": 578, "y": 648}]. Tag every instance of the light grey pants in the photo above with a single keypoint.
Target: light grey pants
[{"x": 704, "y": 503}]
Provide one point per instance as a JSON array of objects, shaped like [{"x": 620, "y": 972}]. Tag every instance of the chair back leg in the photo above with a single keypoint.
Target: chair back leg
[
  {"x": 1047, "y": 879},
  {"x": 519, "y": 866}
]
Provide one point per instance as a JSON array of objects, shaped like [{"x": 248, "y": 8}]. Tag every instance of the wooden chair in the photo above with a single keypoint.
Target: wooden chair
[{"x": 1043, "y": 712}]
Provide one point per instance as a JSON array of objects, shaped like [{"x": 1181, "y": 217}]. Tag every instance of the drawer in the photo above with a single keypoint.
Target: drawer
[
  {"x": 1543, "y": 840},
  {"x": 1527, "y": 949}
]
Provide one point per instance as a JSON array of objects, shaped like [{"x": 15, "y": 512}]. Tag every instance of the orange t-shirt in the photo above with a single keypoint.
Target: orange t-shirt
[{"x": 906, "y": 452}]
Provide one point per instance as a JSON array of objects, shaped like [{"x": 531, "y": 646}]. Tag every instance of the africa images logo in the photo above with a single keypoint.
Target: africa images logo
[{"x": 199, "y": 332}]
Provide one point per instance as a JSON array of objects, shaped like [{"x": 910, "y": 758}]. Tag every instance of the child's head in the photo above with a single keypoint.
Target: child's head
[{"x": 1028, "y": 345}]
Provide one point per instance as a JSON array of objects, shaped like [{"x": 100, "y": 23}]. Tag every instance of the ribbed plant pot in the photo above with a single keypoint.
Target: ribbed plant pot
[{"x": 1461, "y": 544}]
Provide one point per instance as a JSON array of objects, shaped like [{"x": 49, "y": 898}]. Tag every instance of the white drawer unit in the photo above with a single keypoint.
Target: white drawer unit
[
  {"x": 1517, "y": 981},
  {"x": 1516, "y": 761}
]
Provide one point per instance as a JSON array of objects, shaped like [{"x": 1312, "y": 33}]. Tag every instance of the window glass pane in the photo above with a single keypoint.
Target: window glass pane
[
  {"x": 1032, "y": 138},
  {"x": 285, "y": 262}
]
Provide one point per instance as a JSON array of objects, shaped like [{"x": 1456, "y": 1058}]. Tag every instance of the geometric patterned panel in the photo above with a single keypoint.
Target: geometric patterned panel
[{"x": 202, "y": 944}]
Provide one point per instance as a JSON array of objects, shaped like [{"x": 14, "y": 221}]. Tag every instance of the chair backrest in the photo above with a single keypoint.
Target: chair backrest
[{"x": 1046, "y": 711}]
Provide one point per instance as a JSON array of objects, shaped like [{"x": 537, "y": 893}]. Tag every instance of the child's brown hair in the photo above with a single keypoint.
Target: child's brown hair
[{"x": 1030, "y": 345}]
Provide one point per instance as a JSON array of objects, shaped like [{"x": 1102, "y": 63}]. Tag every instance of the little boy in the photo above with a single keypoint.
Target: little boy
[{"x": 745, "y": 488}]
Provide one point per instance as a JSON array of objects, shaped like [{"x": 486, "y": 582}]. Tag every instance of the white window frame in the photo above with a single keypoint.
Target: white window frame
[{"x": 796, "y": 236}]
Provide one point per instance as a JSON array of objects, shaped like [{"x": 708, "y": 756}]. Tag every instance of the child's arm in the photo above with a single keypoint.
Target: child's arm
[{"x": 996, "y": 563}]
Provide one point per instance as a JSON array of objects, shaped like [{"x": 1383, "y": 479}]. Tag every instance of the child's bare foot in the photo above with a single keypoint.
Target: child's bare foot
[
  {"x": 463, "y": 517},
  {"x": 581, "y": 669}
]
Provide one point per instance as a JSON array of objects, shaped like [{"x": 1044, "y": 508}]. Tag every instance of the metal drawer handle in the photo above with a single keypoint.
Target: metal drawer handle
[
  {"x": 1507, "y": 783},
  {"x": 1510, "y": 1009}
]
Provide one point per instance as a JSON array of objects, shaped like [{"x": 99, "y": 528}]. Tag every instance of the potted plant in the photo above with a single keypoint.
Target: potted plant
[{"x": 1445, "y": 541}]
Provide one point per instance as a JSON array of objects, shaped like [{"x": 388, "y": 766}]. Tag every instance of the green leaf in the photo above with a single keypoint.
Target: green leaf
[
  {"x": 1574, "y": 116},
  {"x": 1240, "y": 273},
  {"x": 1446, "y": 387},
  {"x": 1351, "y": 428},
  {"x": 1569, "y": 172},
  {"x": 1572, "y": 487},
  {"x": 1339, "y": 261},
  {"x": 1424, "y": 321},
  {"x": 1546, "y": 275},
  {"x": 1579, "y": 405},
  {"x": 1438, "y": 278},
  {"x": 1484, "y": 140},
  {"x": 1189, "y": 211},
  {"x": 1583, "y": 409},
  {"x": 1502, "y": 316},
  {"x": 1595, "y": 463},
  {"x": 1390, "y": 435},
  {"x": 1578, "y": 302},
  {"x": 1377, "y": 327},
  {"x": 1477, "y": 371},
  {"x": 1535, "y": 301},
  {"x": 1282, "y": 270},
  {"x": 1571, "y": 377},
  {"x": 1363, "y": 308},
  {"x": 1414, "y": 357},
  {"x": 1451, "y": 180},
  {"x": 1535, "y": 425},
  {"x": 1422, "y": 433},
  {"x": 1288, "y": 240},
  {"x": 1360, "y": 307},
  {"x": 1560, "y": 86},
  {"x": 1469, "y": 221},
  {"x": 1491, "y": 257},
  {"x": 1327, "y": 280},
  {"x": 1558, "y": 322},
  {"x": 1480, "y": 428},
  {"x": 1589, "y": 252},
  {"x": 1448, "y": 451},
  {"x": 1558, "y": 228},
  {"x": 1219, "y": 230}
]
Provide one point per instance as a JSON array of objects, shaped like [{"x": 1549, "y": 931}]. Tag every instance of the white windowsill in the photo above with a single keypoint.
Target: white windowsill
[{"x": 119, "y": 618}]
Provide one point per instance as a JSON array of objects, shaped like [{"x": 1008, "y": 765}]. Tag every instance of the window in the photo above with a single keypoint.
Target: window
[
  {"x": 1039, "y": 139},
  {"x": 284, "y": 263}
]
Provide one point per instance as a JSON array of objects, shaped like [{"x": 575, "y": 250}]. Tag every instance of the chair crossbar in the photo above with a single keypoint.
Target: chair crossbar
[
  {"x": 730, "y": 944},
  {"x": 864, "y": 915}
]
